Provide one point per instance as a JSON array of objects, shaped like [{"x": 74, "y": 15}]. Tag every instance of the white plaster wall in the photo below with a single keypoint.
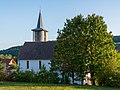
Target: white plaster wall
[{"x": 33, "y": 64}]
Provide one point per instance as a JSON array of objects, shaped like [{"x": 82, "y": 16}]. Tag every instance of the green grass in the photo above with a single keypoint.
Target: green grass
[{"x": 37, "y": 86}]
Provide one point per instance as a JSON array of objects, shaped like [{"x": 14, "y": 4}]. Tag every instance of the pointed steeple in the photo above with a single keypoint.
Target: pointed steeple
[
  {"x": 39, "y": 33},
  {"x": 40, "y": 23}
]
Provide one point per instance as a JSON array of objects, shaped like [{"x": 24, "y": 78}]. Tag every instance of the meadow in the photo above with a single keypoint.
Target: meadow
[{"x": 38, "y": 86}]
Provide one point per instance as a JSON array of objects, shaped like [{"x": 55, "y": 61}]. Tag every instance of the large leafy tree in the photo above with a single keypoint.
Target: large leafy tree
[
  {"x": 68, "y": 57},
  {"x": 83, "y": 46},
  {"x": 100, "y": 46}
]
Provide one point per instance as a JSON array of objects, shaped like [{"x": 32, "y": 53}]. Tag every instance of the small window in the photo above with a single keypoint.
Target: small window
[
  {"x": 27, "y": 64},
  {"x": 39, "y": 64}
]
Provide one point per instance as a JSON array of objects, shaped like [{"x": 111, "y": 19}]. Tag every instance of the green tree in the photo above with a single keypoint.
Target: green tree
[
  {"x": 69, "y": 51},
  {"x": 6, "y": 56},
  {"x": 111, "y": 73},
  {"x": 43, "y": 74},
  {"x": 1, "y": 70},
  {"x": 100, "y": 46},
  {"x": 83, "y": 46},
  {"x": 1, "y": 67},
  {"x": 1, "y": 56}
]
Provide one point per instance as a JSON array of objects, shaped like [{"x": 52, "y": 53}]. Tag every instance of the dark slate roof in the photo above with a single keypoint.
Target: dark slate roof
[{"x": 37, "y": 50}]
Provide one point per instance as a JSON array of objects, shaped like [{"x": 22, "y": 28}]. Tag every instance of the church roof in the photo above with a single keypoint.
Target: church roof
[
  {"x": 40, "y": 26},
  {"x": 37, "y": 50}
]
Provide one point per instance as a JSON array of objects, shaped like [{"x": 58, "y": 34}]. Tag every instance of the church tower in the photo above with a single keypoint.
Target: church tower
[{"x": 39, "y": 33}]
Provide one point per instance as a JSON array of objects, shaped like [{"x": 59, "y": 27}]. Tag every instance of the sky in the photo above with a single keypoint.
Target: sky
[{"x": 18, "y": 17}]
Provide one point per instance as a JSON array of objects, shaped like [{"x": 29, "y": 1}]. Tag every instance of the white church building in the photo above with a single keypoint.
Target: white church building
[{"x": 37, "y": 53}]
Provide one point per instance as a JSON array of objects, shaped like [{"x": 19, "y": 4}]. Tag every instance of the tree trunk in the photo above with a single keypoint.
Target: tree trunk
[
  {"x": 63, "y": 78},
  {"x": 73, "y": 77},
  {"x": 82, "y": 81},
  {"x": 92, "y": 79}
]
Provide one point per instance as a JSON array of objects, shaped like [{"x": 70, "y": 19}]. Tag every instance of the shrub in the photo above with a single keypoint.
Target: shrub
[
  {"x": 27, "y": 76},
  {"x": 43, "y": 76},
  {"x": 10, "y": 76},
  {"x": 111, "y": 75},
  {"x": 53, "y": 77}
]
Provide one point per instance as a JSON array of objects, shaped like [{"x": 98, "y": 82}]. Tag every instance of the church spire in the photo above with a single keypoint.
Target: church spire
[
  {"x": 40, "y": 23},
  {"x": 39, "y": 33}
]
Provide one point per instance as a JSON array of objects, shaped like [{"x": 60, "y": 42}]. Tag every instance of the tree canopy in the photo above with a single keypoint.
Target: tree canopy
[{"x": 83, "y": 46}]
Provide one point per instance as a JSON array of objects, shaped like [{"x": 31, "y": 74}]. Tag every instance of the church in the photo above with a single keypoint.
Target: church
[{"x": 37, "y": 53}]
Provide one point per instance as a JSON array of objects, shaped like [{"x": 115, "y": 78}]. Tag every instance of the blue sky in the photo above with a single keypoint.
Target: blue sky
[{"x": 18, "y": 17}]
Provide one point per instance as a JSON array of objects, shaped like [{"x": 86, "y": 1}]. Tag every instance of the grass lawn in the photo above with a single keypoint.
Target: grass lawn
[{"x": 37, "y": 86}]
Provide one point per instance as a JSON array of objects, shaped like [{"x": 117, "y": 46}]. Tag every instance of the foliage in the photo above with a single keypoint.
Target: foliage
[
  {"x": 100, "y": 48},
  {"x": 68, "y": 58},
  {"x": 27, "y": 76},
  {"x": 10, "y": 73},
  {"x": 43, "y": 76},
  {"x": 83, "y": 46},
  {"x": 13, "y": 51},
  {"x": 1, "y": 71},
  {"x": 9, "y": 76},
  {"x": 7, "y": 56},
  {"x": 1, "y": 67},
  {"x": 13, "y": 66},
  {"x": 111, "y": 74},
  {"x": 53, "y": 77}
]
